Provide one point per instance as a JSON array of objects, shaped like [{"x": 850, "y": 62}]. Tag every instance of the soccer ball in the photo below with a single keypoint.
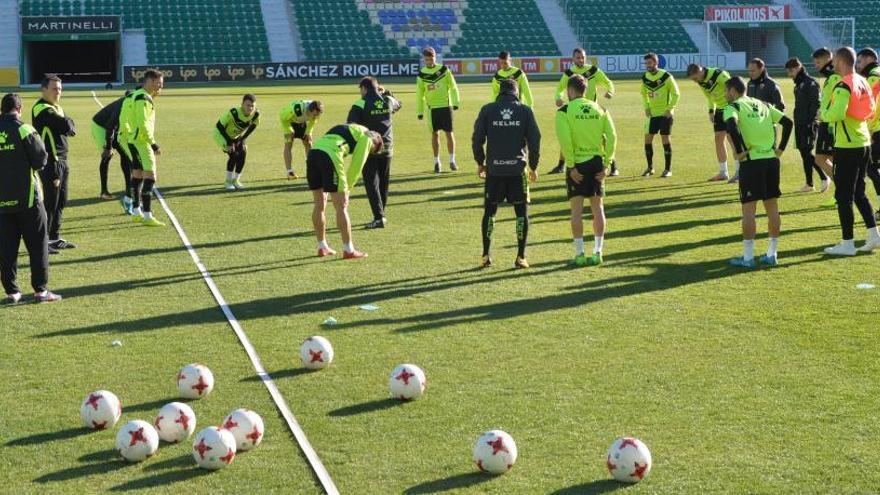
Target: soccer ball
[
  {"x": 316, "y": 353},
  {"x": 214, "y": 448},
  {"x": 407, "y": 382},
  {"x": 495, "y": 452},
  {"x": 137, "y": 440},
  {"x": 629, "y": 460},
  {"x": 195, "y": 381},
  {"x": 176, "y": 421},
  {"x": 100, "y": 410},
  {"x": 247, "y": 428}
]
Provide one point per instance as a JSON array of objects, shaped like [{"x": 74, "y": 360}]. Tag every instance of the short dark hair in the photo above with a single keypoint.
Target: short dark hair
[
  {"x": 249, "y": 97},
  {"x": 822, "y": 52},
  {"x": 48, "y": 78},
  {"x": 504, "y": 55},
  {"x": 793, "y": 63},
  {"x": 578, "y": 84},
  {"x": 737, "y": 84},
  {"x": 11, "y": 101},
  {"x": 429, "y": 50},
  {"x": 579, "y": 50},
  {"x": 152, "y": 74},
  {"x": 693, "y": 69},
  {"x": 316, "y": 105},
  {"x": 868, "y": 52},
  {"x": 847, "y": 54},
  {"x": 369, "y": 83},
  {"x": 651, "y": 56},
  {"x": 757, "y": 61},
  {"x": 508, "y": 86}
]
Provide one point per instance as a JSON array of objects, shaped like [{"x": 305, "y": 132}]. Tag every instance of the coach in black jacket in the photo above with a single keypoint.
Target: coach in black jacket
[
  {"x": 762, "y": 86},
  {"x": 506, "y": 128},
  {"x": 22, "y": 156},
  {"x": 374, "y": 111},
  {"x": 806, "y": 120}
]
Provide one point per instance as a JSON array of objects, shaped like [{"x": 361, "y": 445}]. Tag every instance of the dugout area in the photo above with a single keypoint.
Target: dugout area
[{"x": 79, "y": 49}]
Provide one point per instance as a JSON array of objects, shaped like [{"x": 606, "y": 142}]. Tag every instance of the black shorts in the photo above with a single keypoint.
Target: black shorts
[
  {"x": 298, "y": 131},
  {"x": 759, "y": 180},
  {"x": 718, "y": 121},
  {"x": 320, "y": 172},
  {"x": 805, "y": 136},
  {"x": 660, "y": 125},
  {"x": 512, "y": 189},
  {"x": 441, "y": 119},
  {"x": 824, "y": 140},
  {"x": 588, "y": 187}
]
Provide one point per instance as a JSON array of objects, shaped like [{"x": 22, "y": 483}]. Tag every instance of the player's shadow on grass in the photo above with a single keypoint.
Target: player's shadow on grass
[
  {"x": 160, "y": 480},
  {"x": 50, "y": 436},
  {"x": 464, "y": 480},
  {"x": 592, "y": 488},
  {"x": 277, "y": 375},
  {"x": 366, "y": 407}
]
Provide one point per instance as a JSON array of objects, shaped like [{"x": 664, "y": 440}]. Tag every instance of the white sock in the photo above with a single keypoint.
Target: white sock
[
  {"x": 874, "y": 233},
  {"x": 722, "y": 168},
  {"x": 437, "y": 159},
  {"x": 452, "y": 158},
  {"x": 148, "y": 215},
  {"x": 136, "y": 211},
  {"x": 323, "y": 244},
  {"x": 236, "y": 176},
  {"x": 230, "y": 176},
  {"x": 597, "y": 247},
  {"x": 578, "y": 246},
  {"x": 749, "y": 250},
  {"x": 737, "y": 166},
  {"x": 348, "y": 247},
  {"x": 772, "y": 247}
]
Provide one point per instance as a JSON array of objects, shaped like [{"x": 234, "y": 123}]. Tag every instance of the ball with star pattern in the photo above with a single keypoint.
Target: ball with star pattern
[
  {"x": 214, "y": 448},
  {"x": 628, "y": 460},
  {"x": 100, "y": 410},
  {"x": 247, "y": 428},
  {"x": 495, "y": 452},
  {"x": 195, "y": 381},
  {"x": 407, "y": 382},
  {"x": 137, "y": 440},
  {"x": 175, "y": 422},
  {"x": 316, "y": 353}
]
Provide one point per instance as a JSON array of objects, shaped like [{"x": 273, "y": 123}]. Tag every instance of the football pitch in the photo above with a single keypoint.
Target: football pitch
[{"x": 760, "y": 381}]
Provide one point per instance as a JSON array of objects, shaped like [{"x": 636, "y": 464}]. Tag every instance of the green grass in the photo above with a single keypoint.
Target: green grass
[{"x": 739, "y": 382}]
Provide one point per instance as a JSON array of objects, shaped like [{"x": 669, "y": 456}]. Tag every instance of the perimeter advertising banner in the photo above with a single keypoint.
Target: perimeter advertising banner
[
  {"x": 757, "y": 13},
  {"x": 275, "y": 71}
]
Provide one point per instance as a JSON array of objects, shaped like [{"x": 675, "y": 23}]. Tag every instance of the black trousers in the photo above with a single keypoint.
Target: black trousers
[
  {"x": 30, "y": 225},
  {"x": 55, "y": 198},
  {"x": 377, "y": 174},
  {"x": 850, "y": 166}
]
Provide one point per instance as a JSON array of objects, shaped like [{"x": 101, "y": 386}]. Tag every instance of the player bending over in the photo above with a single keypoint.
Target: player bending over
[
  {"x": 231, "y": 132},
  {"x": 297, "y": 122}
]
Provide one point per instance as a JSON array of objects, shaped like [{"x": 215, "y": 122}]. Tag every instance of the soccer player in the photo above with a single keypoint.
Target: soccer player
[
  {"x": 508, "y": 71},
  {"x": 54, "y": 128},
  {"x": 297, "y": 122},
  {"x": 711, "y": 81},
  {"x": 327, "y": 174},
  {"x": 751, "y": 124},
  {"x": 868, "y": 68},
  {"x": 851, "y": 106},
  {"x": 595, "y": 77},
  {"x": 505, "y": 128},
  {"x": 137, "y": 124},
  {"x": 231, "y": 132},
  {"x": 374, "y": 111},
  {"x": 436, "y": 89},
  {"x": 588, "y": 140},
  {"x": 824, "y": 140},
  {"x": 105, "y": 123},
  {"x": 660, "y": 95},
  {"x": 806, "y": 112},
  {"x": 762, "y": 86}
]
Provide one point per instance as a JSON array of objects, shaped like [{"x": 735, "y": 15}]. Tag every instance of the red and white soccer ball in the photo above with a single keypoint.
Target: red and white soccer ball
[
  {"x": 629, "y": 460},
  {"x": 100, "y": 410},
  {"x": 214, "y": 448},
  {"x": 195, "y": 381},
  {"x": 247, "y": 428},
  {"x": 316, "y": 353},
  {"x": 175, "y": 422},
  {"x": 495, "y": 452},
  {"x": 407, "y": 382},
  {"x": 137, "y": 440}
]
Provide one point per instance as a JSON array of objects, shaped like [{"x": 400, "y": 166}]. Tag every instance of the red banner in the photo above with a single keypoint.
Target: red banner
[{"x": 756, "y": 13}]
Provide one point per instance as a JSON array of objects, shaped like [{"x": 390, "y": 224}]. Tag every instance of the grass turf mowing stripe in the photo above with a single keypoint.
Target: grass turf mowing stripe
[{"x": 301, "y": 439}]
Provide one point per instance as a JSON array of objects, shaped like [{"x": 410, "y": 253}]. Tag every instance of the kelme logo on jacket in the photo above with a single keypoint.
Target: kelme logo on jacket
[{"x": 3, "y": 145}]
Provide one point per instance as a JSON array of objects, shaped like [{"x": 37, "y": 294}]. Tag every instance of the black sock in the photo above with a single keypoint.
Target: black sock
[
  {"x": 613, "y": 164},
  {"x": 667, "y": 155},
  {"x": 147, "y": 194},
  {"x": 522, "y": 228},
  {"x": 126, "y": 176},
  {"x": 649, "y": 155},
  {"x": 488, "y": 225},
  {"x": 135, "y": 193},
  {"x": 561, "y": 162},
  {"x": 102, "y": 169}
]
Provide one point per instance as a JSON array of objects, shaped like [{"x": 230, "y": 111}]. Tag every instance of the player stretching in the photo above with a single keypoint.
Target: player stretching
[
  {"x": 712, "y": 81},
  {"x": 297, "y": 122},
  {"x": 231, "y": 132},
  {"x": 587, "y": 138},
  {"x": 436, "y": 88},
  {"x": 137, "y": 124},
  {"x": 105, "y": 123},
  {"x": 751, "y": 125},
  {"x": 868, "y": 68},
  {"x": 660, "y": 95}
]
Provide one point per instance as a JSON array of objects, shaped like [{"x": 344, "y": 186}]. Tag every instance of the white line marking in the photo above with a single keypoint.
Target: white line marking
[{"x": 292, "y": 423}]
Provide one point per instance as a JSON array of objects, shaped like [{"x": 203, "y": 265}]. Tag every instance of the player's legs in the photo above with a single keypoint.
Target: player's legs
[
  {"x": 597, "y": 208},
  {"x": 490, "y": 209},
  {"x": 721, "y": 154},
  {"x": 319, "y": 217},
  {"x": 370, "y": 173},
  {"x": 435, "y": 148},
  {"x": 576, "y": 205},
  {"x": 560, "y": 165},
  {"x": 649, "y": 153},
  {"x": 450, "y": 148},
  {"x": 240, "y": 157},
  {"x": 748, "y": 230},
  {"x": 343, "y": 223},
  {"x": 667, "y": 155},
  {"x": 522, "y": 231},
  {"x": 288, "y": 155},
  {"x": 846, "y": 172}
]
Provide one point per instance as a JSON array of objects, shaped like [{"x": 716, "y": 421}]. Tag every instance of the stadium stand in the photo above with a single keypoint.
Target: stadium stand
[
  {"x": 195, "y": 31},
  {"x": 865, "y": 14}
]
